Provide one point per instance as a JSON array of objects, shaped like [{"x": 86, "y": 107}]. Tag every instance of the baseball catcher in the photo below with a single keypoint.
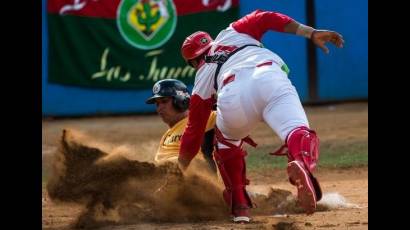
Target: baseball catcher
[{"x": 251, "y": 84}]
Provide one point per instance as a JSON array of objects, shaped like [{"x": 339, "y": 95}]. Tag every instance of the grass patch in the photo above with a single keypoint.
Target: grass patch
[
  {"x": 333, "y": 155},
  {"x": 344, "y": 155},
  {"x": 259, "y": 159}
]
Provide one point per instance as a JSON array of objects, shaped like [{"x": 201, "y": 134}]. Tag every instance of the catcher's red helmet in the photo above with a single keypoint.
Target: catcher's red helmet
[{"x": 195, "y": 45}]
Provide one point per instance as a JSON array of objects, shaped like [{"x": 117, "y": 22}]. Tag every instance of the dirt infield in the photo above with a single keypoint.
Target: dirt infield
[{"x": 135, "y": 139}]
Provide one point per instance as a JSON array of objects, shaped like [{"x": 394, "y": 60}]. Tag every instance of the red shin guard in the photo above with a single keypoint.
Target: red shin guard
[
  {"x": 303, "y": 145},
  {"x": 231, "y": 164}
]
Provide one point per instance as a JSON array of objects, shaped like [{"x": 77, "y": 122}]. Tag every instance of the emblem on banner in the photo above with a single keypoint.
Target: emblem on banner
[{"x": 146, "y": 24}]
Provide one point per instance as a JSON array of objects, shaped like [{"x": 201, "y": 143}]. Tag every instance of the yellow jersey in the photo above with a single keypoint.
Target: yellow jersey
[{"x": 168, "y": 149}]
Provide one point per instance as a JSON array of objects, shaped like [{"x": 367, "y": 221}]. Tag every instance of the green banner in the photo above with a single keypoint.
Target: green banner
[{"x": 137, "y": 47}]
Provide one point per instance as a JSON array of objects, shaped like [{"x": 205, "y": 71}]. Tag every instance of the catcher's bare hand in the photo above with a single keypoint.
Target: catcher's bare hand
[{"x": 320, "y": 37}]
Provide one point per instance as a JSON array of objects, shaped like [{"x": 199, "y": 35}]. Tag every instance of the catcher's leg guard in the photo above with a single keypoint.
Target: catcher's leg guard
[
  {"x": 232, "y": 167},
  {"x": 231, "y": 164},
  {"x": 303, "y": 154},
  {"x": 303, "y": 145}
]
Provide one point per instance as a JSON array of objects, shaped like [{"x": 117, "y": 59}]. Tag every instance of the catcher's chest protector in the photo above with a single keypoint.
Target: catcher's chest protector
[{"x": 220, "y": 58}]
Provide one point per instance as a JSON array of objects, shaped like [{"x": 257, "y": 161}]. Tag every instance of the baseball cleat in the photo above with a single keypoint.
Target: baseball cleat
[
  {"x": 306, "y": 192},
  {"x": 241, "y": 219},
  {"x": 241, "y": 215}
]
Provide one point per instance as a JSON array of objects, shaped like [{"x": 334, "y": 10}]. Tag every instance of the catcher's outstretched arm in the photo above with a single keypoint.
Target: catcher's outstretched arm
[{"x": 199, "y": 111}]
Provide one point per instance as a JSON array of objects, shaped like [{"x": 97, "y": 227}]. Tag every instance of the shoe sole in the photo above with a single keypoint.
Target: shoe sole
[
  {"x": 306, "y": 192},
  {"x": 241, "y": 219}
]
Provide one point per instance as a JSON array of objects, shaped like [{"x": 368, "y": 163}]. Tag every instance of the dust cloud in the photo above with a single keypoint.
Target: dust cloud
[{"x": 114, "y": 188}]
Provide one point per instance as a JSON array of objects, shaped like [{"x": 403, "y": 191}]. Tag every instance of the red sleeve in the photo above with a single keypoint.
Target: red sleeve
[
  {"x": 259, "y": 22},
  {"x": 199, "y": 111}
]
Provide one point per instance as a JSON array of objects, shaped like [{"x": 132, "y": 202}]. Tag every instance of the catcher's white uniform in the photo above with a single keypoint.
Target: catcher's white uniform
[{"x": 252, "y": 87}]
